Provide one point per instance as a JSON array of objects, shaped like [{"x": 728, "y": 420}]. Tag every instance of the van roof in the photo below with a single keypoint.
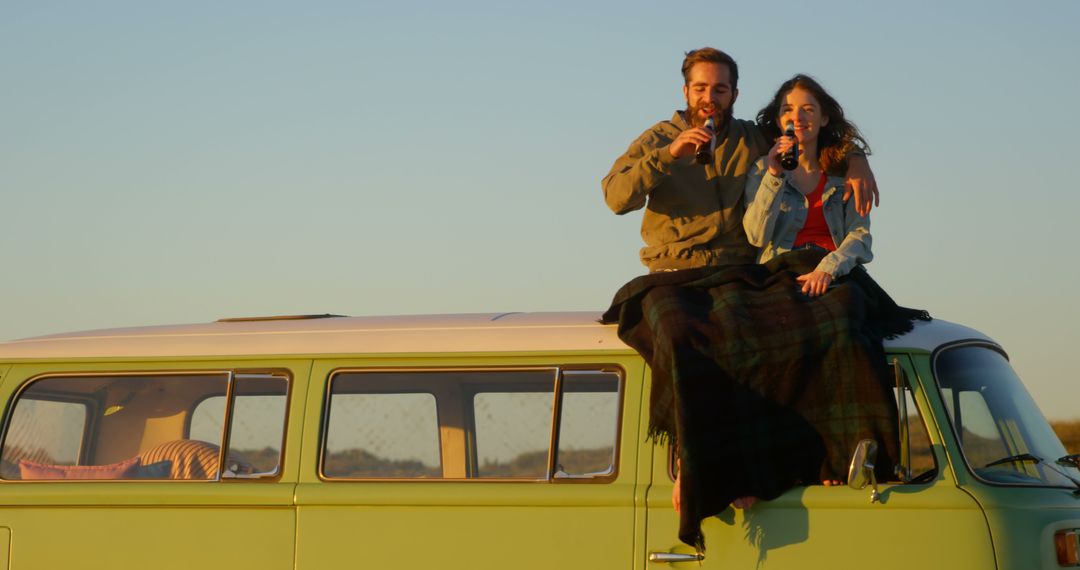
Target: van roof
[{"x": 478, "y": 333}]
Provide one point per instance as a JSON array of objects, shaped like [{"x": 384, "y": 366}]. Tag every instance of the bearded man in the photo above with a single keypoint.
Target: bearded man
[{"x": 693, "y": 212}]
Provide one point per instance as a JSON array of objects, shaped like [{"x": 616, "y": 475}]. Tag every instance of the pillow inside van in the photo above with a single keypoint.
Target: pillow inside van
[{"x": 124, "y": 469}]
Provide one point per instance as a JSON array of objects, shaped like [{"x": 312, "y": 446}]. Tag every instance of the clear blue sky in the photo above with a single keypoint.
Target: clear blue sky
[{"x": 170, "y": 162}]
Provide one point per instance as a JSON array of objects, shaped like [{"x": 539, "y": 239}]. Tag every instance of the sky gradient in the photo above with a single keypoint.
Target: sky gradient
[{"x": 182, "y": 162}]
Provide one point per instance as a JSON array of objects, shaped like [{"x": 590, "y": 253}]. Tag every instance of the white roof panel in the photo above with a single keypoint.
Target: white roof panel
[
  {"x": 489, "y": 332},
  {"x": 494, "y": 332}
]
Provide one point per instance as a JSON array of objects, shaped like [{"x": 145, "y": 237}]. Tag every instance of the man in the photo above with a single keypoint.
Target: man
[{"x": 693, "y": 213}]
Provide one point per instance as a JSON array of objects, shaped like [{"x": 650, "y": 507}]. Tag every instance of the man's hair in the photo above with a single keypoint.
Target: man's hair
[{"x": 710, "y": 55}]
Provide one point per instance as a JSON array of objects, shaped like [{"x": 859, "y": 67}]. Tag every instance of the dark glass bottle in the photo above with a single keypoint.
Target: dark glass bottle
[
  {"x": 704, "y": 154},
  {"x": 790, "y": 159}
]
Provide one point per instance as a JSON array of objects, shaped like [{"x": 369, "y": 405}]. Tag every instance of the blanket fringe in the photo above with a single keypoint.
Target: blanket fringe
[
  {"x": 900, "y": 321},
  {"x": 659, "y": 436}
]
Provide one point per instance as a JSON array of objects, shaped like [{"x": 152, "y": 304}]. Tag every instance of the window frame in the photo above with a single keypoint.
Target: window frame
[
  {"x": 226, "y": 424},
  {"x": 948, "y": 416},
  {"x": 95, "y": 407},
  {"x": 469, "y": 425},
  {"x": 902, "y": 362},
  {"x": 620, "y": 409},
  {"x": 946, "y": 403}
]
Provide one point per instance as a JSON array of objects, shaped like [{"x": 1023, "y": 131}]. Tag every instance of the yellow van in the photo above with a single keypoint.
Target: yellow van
[{"x": 478, "y": 442}]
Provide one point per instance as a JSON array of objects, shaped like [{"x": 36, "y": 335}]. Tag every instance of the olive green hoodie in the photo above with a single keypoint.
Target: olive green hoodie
[{"x": 693, "y": 213}]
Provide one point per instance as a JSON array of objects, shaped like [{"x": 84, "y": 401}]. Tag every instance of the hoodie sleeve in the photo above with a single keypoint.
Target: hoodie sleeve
[{"x": 643, "y": 167}]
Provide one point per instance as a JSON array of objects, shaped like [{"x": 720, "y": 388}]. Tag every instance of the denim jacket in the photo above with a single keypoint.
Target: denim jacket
[{"x": 776, "y": 211}]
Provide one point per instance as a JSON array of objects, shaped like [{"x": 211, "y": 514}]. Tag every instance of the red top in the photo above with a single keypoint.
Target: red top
[{"x": 815, "y": 230}]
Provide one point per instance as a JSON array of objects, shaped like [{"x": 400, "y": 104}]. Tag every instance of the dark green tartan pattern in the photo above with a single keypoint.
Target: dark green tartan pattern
[{"x": 761, "y": 387}]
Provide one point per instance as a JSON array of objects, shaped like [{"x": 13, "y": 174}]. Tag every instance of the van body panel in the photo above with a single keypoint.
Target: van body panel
[
  {"x": 1022, "y": 519},
  {"x": 473, "y": 522},
  {"x": 1024, "y": 533},
  {"x": 838, "y": 527},
  {"x": 145, "y": 494},
  {"x": 820, "y": 527},
  {"x": 464, "y": 536},
  {"x": 154, "y": 523},
  {"x": 5, "y": 547},
  {"x": 173, "y": 538}
]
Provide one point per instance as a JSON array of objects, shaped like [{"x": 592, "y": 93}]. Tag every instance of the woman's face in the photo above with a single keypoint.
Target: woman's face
[{"x": 801, "y": 108}]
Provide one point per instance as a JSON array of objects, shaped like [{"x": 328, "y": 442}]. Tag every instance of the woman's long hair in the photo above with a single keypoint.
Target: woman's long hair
[{"x": 835, "y": 141}]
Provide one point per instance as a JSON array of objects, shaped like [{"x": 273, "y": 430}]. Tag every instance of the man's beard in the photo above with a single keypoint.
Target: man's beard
[{"x": 696, "y": 119}]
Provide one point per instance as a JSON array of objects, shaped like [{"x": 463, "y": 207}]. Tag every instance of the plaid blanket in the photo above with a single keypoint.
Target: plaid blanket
[{"x": 760, "y": 387}]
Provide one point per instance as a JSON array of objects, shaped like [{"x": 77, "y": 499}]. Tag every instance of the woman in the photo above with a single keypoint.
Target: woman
[{"x": 804, "y": 207}]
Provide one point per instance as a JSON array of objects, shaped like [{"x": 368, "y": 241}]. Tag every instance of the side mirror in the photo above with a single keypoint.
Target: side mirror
[{"x": 861, "y": 470}]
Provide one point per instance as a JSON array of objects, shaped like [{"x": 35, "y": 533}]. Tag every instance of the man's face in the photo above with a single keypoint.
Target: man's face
[{"x": 709, "y": 93}]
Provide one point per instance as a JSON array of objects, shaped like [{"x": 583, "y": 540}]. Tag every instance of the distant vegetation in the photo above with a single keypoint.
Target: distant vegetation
[
  {"x": 534, "y": 464},
  {"x": 1069, "y": 433},
  {"x": 361, "y": 463},
  {"x": 530, "y": 465}
]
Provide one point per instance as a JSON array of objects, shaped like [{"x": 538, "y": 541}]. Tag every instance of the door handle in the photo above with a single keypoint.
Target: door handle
[{"x": 669, "y": 557}]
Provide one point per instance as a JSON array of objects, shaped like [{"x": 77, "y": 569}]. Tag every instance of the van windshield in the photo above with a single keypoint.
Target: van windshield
[{"x": 1004, "y": 437}]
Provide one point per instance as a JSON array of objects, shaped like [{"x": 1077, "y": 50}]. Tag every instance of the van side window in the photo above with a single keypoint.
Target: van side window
[
  {"x": 588, "y": 426},
  {"x": 381, "y": 435},
  {"x": 512, "y": 431},
  {"x": 45, "y": 432},
  {"x": 257, "y": 429},
  {"x": 144, "y": 426},
  {"x": 922, "y": 465},
  {"x": 471, "y": 424}
]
